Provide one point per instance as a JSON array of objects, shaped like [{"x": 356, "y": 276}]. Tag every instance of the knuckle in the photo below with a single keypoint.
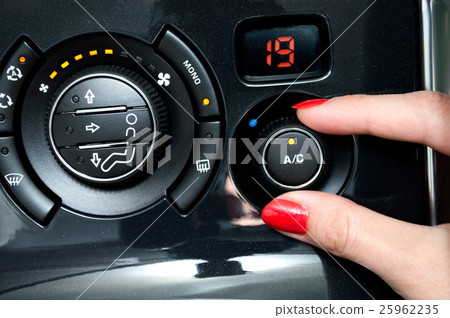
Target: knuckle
[
  {"x": 339, "y": 235},
  {"x": 430, "y": 99},
  {"x": 434, "y": 107}
]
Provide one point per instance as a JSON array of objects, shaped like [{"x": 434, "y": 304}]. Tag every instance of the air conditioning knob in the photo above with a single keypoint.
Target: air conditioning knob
[
  {"x": 104, "y": 122},
  {"x": 294, "y": 157}
]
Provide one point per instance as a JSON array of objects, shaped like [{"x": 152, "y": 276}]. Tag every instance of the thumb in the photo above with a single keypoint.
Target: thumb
[{"x": 410, "y": 258}]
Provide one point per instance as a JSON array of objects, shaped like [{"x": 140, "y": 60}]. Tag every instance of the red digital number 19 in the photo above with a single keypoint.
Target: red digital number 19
[{"x": 287, "y": 51}]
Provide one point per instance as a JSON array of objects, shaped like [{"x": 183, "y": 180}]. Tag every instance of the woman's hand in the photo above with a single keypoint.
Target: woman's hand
[{"x": 413, "y": 259}]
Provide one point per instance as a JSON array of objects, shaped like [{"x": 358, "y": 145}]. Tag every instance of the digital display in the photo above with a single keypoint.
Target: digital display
[{"x": 281, "y": 52}]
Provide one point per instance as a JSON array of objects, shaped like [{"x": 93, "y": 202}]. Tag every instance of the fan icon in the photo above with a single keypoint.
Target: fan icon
[
  {"x": 164, "y": 79},
  {"x": 43, "y": 88}
]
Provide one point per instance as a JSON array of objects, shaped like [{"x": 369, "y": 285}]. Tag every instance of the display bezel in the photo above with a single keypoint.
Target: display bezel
[{"x": 261, "y": 22}]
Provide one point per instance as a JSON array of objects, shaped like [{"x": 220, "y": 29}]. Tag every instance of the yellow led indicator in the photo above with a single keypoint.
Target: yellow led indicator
[
  {"x": 65, "y": 64},
  {"x": 53, "y": 75},
  {"x": 206, "y": 101},
  {"x": 93, "y": 52},
  {"x": 291, "y": 141},
  {"x": 78, "y": 57},
  {"x": 22, "y": 59},
  {"x": 108, "y": 51}
]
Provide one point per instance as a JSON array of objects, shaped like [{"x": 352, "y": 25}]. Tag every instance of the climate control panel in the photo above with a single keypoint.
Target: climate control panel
[
  {"x": 101, "y": 116},
  {"x": 149, "y": 150}
]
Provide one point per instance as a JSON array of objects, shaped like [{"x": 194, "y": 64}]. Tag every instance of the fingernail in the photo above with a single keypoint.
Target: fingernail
[
  {"x": 285, "y": 216},
  {"x": 310, "y": 103}
]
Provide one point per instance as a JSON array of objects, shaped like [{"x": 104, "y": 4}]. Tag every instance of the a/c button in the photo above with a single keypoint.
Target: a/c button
[{"x": 293, "y": 158}]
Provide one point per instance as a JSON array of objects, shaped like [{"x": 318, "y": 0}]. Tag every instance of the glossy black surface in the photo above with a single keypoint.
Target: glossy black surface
[{"x": 221, "y": 249}]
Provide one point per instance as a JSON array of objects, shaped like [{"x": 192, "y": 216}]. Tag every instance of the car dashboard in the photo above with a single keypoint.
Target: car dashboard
[{"x": 129, "y": 144}]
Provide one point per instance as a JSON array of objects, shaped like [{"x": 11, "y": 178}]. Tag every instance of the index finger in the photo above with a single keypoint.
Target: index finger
[{"x": 422, "y": 117}]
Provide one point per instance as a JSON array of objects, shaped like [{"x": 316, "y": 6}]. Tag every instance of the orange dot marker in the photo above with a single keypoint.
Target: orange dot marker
[
  {"x": 291, "y": 141},
  {"x": 206, "y": 101},
  {"x": 22, "y": 59}
]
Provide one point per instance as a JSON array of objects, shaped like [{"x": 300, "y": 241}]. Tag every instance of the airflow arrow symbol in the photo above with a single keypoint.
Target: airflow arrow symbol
[
  {"x": 89, "y": 97},
  {"x": 92, "y": 127},
  {"x": 95, "y": 159}
]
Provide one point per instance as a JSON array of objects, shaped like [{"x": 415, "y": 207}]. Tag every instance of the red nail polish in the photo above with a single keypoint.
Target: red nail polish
[
  {"x": 286, "y": 216},
  {"x": 310, "y": 103}
]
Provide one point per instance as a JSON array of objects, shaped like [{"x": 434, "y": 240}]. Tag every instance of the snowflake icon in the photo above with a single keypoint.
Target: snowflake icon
[{"x": 164, "y": 79}]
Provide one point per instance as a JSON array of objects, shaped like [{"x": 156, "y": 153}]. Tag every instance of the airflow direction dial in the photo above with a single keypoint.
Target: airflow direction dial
[{"x": 103, "y": 121}]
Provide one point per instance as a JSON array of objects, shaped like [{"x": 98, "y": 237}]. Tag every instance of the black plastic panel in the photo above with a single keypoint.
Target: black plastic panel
[{"x": 208, "y": 253}]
